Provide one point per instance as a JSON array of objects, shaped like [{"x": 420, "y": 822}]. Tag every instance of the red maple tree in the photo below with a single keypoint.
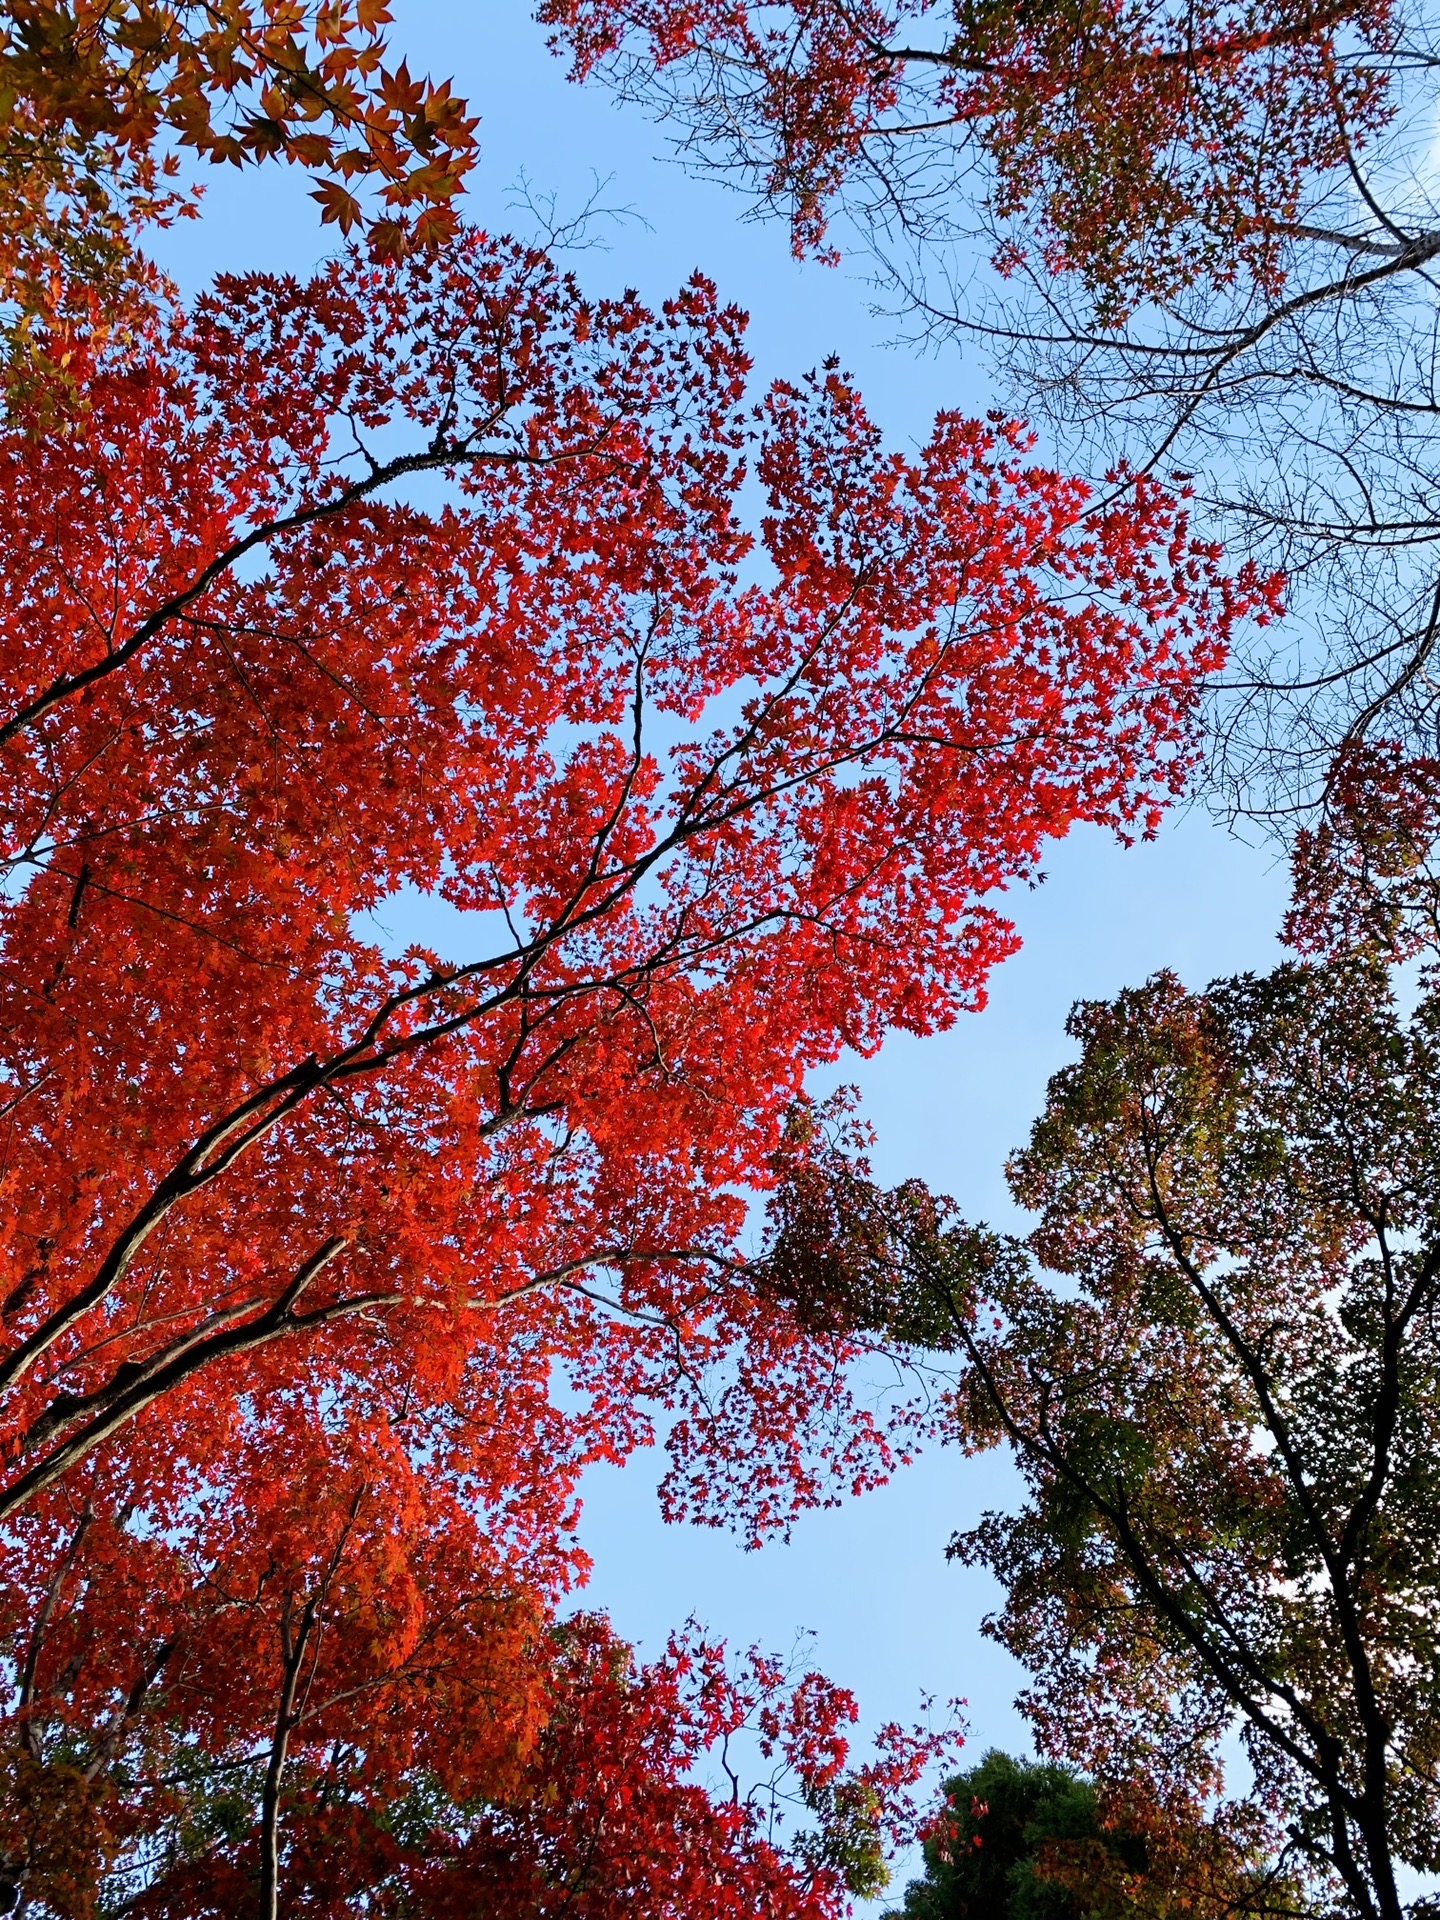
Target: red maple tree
[
  {"x": 321, "y": 1693},
  {"x": 437, "y": 577},
  {"x": 709, "y": 831}
]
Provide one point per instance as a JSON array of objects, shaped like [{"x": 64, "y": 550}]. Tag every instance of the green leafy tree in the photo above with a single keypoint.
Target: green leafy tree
[
  {"x": 992, "y": 1850},
  {"x": 1216, "y": 1361},
  {"x": 1032, "y": 1840}
]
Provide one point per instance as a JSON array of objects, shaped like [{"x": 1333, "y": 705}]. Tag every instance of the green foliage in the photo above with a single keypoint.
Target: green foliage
[
  {"x": 849, "y": 1842},
  {"x": 1002, "y": 1821}
]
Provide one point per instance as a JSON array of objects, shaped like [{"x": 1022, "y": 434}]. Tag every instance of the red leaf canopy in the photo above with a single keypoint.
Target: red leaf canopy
[{"x": 438, "y": 577}]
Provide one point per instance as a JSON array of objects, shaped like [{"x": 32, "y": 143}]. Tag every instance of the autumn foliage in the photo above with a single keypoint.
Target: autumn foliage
[
  {"x": 1213, "y": 1359},
  {"x": 97, "y": 103},
  {"x": 334, "y": 1259},
  {"x": 1142, "y": 146},
  {"x": 443, "y": 1747}
]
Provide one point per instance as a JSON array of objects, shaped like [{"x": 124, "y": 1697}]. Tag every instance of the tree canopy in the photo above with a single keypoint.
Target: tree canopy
[
  {"x": 999, "y": 1831},
  {"x": 1145, "y": 147},
  {"x": 435, "y": 576},
  {"x": 1195, "y": 239},
  {"x": 1214, "y": 1359},
  {"x": 1034, "y": 1840},
  {"x": 718, "y": 728}
]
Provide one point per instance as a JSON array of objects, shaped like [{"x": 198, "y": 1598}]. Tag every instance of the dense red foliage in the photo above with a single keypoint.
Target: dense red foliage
[
  {"x": 310, "y": 1672},
  {"x": 435, "y": 578}
]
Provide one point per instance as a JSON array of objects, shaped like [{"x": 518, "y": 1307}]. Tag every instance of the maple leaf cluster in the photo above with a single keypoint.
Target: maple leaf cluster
[
  {"x": 332, "y": 1263},
  {"x": 98, "y": 101}
]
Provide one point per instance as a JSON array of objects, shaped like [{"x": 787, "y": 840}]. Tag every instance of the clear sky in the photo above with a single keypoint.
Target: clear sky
[{"x": 891, "y": 1619}]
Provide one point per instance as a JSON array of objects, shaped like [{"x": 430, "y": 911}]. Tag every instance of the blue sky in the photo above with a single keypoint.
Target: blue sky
[{"x": 891, "y": 1619}]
